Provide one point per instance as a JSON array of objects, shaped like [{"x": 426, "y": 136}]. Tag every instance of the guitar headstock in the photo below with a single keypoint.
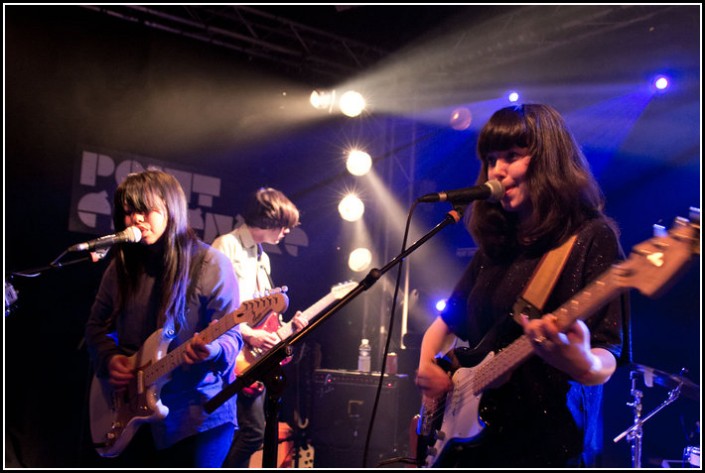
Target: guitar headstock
[
  {"x": 270, "y": 291},
  {"x": 342, "y": 289},
  {"x": 655, "y": 264},
  {"x": 254, "y": 311}
]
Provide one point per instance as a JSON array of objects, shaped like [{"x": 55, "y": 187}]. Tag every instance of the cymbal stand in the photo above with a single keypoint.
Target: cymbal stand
[
  {"x": 635, "y": 436},
  {"x": 635, "y": 433}
]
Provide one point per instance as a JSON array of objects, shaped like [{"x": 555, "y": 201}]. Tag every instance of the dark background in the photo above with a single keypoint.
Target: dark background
[{"x": 231, "y": 100}]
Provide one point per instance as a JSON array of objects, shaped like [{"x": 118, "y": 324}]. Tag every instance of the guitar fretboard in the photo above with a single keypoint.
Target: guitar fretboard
[
  {"x": 337, "y": 292},
  {"x": 251, "y": 311},
  {"x": 582, "y": 306}
]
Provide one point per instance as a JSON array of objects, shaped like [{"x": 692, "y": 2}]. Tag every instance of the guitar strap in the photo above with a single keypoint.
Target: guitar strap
[
  {"x": 539, "y": 287},
  {"x": 260, "y": 267}
]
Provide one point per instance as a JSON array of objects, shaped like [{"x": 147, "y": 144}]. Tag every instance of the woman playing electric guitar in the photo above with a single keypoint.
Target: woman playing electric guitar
[{"x": 173, "y": 283}]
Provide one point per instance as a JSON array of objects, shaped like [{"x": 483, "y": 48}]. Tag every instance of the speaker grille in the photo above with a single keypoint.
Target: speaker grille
[{"x": 342, "y": 409}]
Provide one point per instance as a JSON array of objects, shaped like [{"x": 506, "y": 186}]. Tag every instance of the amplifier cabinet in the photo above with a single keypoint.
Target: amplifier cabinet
[{"x": 340, "y": 418}]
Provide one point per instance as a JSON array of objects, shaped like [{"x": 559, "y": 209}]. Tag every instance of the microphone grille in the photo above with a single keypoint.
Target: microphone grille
[
  {"x": 133, "y": 234},
  {"x": 496, "y": 189}
]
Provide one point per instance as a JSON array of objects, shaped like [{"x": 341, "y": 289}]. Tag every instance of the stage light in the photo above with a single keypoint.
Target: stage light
[
  {"x": 440, "y": 305},
  {"x": 351, "y": 208},
  {"x": 351, "y": 103},
  {"x": 322, "y": 100},
  {"x": 460, "y": 118},
  {"x": 360, "y": 259},
  {"x": 358, "y": 163},
  {"x": 660, "y": 83},
  {"x": 513, "y": 96}
]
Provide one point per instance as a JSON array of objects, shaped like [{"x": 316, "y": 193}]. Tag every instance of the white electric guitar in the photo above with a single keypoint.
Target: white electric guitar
[
  {"x": 453, "y": 420},
  {"x": 115, "y": 417}
]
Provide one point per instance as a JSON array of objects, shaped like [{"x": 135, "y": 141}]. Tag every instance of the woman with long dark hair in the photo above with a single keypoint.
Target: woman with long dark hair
[
  {"x": 545, "y": 412},
  {"x": 173, "y": 282}
]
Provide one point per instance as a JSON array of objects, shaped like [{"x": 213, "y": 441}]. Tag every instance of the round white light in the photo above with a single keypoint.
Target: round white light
[
  {"x": 661, "y": 83},
  {"x": 351, "y": 103},
  {"x": 440, "y": 305},
  {"x": 321, "y": 100},
  {"x": 360, "y": 259},
  {"x": 358, "y": 163},
  {"x": 351, "y": 208}
]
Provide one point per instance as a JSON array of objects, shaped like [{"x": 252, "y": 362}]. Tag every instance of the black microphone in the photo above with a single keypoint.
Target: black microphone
[
  {"x": 129, "y": 235},
  {"x": 490, "y": 190}
]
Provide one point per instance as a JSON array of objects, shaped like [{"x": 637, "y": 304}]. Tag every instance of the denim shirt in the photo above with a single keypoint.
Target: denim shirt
[{"x": 213, "y": 293}]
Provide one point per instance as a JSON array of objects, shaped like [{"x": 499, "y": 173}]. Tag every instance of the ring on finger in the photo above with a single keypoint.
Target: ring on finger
[{"x": 540, "y": 339}]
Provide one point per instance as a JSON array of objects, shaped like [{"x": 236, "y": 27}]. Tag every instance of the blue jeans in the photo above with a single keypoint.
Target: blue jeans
[
  {"x": 203, "y": 450},
  {"x": 250, "y": 434}
]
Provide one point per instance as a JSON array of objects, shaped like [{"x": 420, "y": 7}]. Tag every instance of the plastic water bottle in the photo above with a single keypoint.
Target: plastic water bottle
[{"x": 364, "y": 356}]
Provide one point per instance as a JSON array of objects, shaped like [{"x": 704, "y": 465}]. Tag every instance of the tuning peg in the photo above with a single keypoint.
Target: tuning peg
[
  {"x": 277, "y": 290},
  {"x": 694, "y": 215},
  {"x": 660, "y": 231}
]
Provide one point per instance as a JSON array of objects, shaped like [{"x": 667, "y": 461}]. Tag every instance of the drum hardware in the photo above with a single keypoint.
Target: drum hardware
[
  {"x": 678, "y": 384},
  {"x": 691, "y": 457}
]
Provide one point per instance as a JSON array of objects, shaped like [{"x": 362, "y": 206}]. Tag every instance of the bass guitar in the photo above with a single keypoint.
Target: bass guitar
[
  {"x": 271, "y": 323},
  {"x": 453, "y": 420},
  {"x": 115, "y": 417}
]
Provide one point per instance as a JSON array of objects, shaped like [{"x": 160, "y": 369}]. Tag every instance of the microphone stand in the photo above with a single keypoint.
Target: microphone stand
[
  {"x": 56, "y": 264},
  {"x": 37, "y": 271},
  {"x": 12, "y": 295},
  {"x": 268, "y": 367}
]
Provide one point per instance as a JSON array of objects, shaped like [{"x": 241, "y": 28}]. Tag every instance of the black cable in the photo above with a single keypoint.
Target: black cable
[{"x": 389, "y": 339}]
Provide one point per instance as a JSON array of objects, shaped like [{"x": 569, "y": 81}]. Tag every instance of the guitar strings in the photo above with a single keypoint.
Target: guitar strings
[{"x": 485, "y": 375}]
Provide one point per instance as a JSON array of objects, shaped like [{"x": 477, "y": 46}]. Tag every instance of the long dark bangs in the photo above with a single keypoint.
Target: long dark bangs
[
  {"x": 505, "y": 129},
  {"x": 138, "y": 194}
]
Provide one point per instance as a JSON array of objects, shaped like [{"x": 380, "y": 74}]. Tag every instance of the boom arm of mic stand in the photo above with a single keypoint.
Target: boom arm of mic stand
[
  {"x": 273, "y": 358},
  {"x": 268, "y": 367}
]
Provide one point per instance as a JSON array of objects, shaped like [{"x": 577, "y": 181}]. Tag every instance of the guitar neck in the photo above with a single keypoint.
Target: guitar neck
[
  {"x": 287, "y": 329},
  {"x": 582, "y": 306},
  {"x": 174, "y": 358}
]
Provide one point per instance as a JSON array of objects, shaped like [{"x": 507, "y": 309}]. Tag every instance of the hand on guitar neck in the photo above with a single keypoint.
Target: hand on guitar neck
[
  {"x": 264, "y": 335},
  {"x": 560, "y": 338},
  {"x": 121, "y": 368},
  {"x": 262, "y": 339},
  {"x": 271, "y": 331},
  {"x": 131, "y": 396}
]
